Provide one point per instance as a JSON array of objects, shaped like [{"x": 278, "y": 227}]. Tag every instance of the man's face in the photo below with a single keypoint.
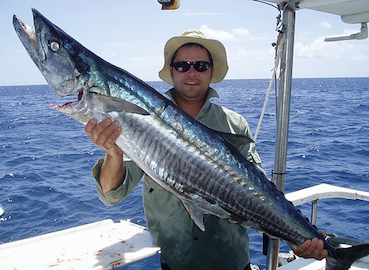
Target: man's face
[{"x": 192, "y": 85}]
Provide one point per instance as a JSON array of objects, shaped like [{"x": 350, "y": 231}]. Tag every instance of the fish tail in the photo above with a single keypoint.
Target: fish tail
[{"x": 346, "y": 257}]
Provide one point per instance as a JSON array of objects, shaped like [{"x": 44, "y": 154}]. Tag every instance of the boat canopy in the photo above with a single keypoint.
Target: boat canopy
[{"x": 351, "y": 11}]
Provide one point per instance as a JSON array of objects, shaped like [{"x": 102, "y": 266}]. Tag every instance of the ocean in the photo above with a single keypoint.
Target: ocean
[{"x": 46, "y": 183}]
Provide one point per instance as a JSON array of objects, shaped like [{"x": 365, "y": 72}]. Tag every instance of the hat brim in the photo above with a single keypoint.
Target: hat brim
[{"x": 215, "y": 48}]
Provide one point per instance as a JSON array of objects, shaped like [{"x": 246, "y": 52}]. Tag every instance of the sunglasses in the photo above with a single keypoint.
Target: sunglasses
[{"x": 184, "y": 66}]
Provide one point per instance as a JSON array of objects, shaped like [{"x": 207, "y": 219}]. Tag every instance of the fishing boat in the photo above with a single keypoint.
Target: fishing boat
[
  {"x": 353, "y": 12},
  {"x": 108, "y": 245}
]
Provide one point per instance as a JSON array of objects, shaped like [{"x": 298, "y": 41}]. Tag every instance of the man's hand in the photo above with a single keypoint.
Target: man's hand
[
  {"x": 311, "y": 249},
  {"x": 104, "y": 135}
]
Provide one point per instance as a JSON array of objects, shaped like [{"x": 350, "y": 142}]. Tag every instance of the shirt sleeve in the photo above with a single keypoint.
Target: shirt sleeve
[{"x": 133, "y": 175}]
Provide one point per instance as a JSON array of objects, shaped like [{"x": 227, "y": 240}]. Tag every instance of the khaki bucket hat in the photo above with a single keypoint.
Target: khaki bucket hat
[{"x": 215, "y": 48}]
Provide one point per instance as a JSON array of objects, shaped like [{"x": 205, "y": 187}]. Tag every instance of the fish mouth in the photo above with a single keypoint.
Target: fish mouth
[
  {"x": 55, "y": 54},
  {"x": 71, "y": 104},
  {"x": 45, "y": 45},
  {"x": 31, "y": 42},
  {"x": 28, "y": 38}
]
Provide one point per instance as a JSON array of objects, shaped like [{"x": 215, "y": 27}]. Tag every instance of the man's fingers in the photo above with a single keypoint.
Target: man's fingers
[
  {"x": 90, "y": 126},
  {"x": 103, "y": 134},
  {"x": 311, "y": 249},
  {"x": 300, "y": 250},
  {"x": 99, "y": 133},
  {"x": 112, "y": 133}
]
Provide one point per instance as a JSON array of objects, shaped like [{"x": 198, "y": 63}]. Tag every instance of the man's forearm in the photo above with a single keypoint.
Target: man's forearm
[{"x": 112, "y": 173}]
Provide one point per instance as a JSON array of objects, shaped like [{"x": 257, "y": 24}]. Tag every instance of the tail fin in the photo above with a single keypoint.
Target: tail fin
[{"x": 346, "y": 257}]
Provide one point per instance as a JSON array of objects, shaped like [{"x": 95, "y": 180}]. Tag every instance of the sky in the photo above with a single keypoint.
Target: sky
[{"x": 132, "y": 35}]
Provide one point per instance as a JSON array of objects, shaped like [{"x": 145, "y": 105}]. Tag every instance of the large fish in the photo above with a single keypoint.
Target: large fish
[{"x": 200, "y": 166}]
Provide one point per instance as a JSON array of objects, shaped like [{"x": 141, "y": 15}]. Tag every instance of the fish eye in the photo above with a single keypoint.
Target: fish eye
[{"x": 54, "y": 46}]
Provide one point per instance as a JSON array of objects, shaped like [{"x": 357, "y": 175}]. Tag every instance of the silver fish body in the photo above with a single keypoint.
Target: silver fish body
[{"x": 200, "y": 166}]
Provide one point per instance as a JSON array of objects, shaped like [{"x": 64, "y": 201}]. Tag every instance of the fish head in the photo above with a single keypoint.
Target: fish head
[{"x": 55, "y": 53}]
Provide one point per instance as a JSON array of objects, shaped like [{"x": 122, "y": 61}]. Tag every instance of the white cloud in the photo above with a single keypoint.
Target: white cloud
[
  {"x": 234, "y": 35},
  {"x": 216, "y": 34},
  {"x": 350, "y": 31},
  {"x": 241, "y": 32},
  {"x": 326, "y": 24},
  {"x": 248, "y": 56},
  {"x": 320, "y": 49}
]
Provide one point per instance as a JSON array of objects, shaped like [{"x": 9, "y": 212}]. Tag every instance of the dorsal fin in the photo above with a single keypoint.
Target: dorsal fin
[{"x": 237, "y": 140}]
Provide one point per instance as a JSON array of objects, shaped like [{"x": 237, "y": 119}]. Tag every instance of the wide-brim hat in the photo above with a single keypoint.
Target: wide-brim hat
[{"x": 216, "y": 49}]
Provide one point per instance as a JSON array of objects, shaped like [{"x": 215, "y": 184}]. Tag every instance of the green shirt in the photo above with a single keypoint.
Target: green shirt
[{"x": 183, "y": 245}]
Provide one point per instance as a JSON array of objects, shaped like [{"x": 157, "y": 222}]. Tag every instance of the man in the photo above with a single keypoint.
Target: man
[{"x": 192, "y": 62}]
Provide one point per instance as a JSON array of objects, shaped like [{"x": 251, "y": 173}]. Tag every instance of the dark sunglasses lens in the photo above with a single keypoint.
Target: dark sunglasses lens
[
  {"x": 201, "y": 66},
  {"x": 182, "y": 66}
]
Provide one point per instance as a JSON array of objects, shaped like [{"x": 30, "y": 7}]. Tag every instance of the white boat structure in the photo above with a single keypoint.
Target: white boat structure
[
  {"x": 108, "y": 245},
  {"x": 313, "y": 195}
]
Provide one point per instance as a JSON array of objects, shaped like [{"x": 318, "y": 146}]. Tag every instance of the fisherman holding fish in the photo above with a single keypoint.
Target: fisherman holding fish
[{"x": 192, "y": 62}]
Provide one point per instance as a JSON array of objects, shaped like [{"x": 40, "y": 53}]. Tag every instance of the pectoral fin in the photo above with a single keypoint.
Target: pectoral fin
[
  {"x": 196, "y": 215},
  {"x": 112, "y": 104},
  {"x": 201, "y": 208}
]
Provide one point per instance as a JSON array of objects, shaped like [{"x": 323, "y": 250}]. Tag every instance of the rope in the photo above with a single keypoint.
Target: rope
[{"x": 279, "y": 49}]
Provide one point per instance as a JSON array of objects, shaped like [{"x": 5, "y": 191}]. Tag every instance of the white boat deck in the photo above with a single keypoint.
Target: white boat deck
[{"x": 100, "y": 245}]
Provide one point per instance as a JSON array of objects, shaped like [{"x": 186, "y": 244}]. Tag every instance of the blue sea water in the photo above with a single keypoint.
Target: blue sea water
[{"x": 46, "y": 183}]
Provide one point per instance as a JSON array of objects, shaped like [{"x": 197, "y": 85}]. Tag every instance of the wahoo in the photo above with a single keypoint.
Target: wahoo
[{"x": 201, "y": 166}]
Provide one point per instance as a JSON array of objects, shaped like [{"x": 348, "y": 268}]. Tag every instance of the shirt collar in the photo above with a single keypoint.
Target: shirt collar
[{"x": 211, "y": 94}]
